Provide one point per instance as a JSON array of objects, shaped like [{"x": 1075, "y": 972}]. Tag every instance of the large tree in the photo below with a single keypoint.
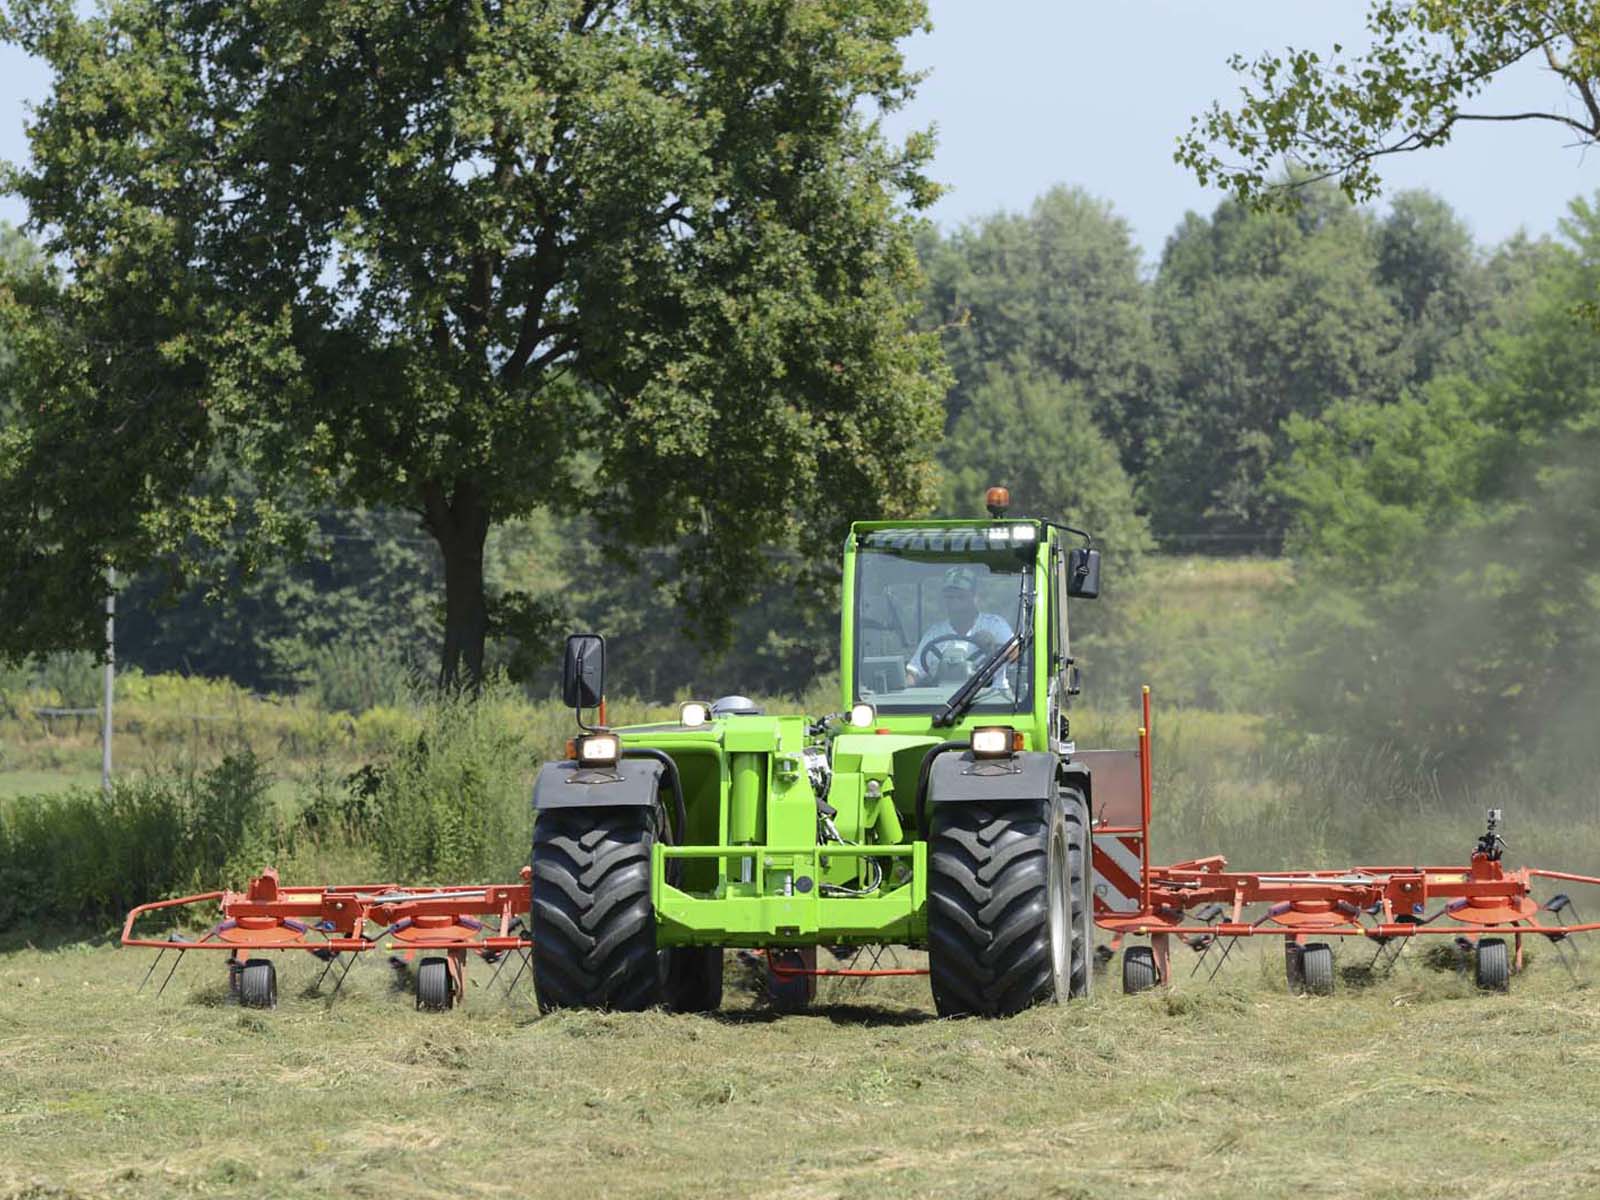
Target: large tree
[
  {"x": 1338, "y": 115},
  {"x": 1449, "y": 543},
  {"x": 1056, "y": 288},
  {"x": 649, "y": 260},
  {"x": 1269, "y": 315}
]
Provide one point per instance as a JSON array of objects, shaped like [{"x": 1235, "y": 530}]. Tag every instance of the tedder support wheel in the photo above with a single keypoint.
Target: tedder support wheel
[
  {"x": 791, "y": 993},
  {"x": 593, "y": 926},
  {"x": 1316, "y": 969},
  {"x": 694, "y": 979},
  {"x": 258, "y": 984},
  {"x": 1138, "y": 969},
  {"x": 1493, "y": 967},
  {"x": 434, "y": 985},
  {"x": 1001, "y": 905}
]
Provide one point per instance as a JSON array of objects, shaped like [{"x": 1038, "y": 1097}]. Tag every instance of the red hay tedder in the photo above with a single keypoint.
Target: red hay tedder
[{"x": 1198, "y": 902}]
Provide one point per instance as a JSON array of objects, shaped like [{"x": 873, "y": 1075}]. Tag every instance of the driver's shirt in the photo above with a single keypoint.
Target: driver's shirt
[{"x": 990, "y": 623}]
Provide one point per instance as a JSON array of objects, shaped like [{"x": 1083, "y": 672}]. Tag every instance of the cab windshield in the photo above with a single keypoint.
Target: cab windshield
[{"x": 926, "y": 621}]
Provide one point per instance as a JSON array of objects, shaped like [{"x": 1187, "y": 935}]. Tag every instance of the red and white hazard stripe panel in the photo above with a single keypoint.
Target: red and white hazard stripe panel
[{"x": 1116, "y": 873}]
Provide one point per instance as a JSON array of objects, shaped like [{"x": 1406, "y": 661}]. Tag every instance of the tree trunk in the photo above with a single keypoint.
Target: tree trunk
[{"x": 459, "y": 521}]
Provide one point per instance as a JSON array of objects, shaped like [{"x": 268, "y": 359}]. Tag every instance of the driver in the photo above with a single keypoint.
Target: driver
[{"x": 959, "y": 589}]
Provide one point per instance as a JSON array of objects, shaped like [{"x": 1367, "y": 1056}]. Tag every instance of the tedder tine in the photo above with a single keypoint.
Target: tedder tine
[
  {"x": 526, "y": 957},
  {"x": 343, "y": 975},
  {"x": 160, "y": 954},
  {"x": 1227, "y": 949},
  {"x": 176, "y": 959},
  {"x": 1559, "y": 904}
]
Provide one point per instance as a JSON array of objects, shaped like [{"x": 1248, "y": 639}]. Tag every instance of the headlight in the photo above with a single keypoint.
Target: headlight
[
  {"x": 599, "y": 750},
  {"x": 863, "y": 715},
  {"x": 991, "y": 742},
  {"x": 694, "y": 714}
]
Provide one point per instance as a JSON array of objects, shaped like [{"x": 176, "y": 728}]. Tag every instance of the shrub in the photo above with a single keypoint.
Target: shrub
[
  {"x": 353, "y": 676},
  {"x": 453, "y": 806},
  {"x": 84, "y": 856}
]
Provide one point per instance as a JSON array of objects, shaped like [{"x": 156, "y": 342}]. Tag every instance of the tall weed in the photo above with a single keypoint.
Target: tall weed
[
  {"x": 454, "y": 804},
  {"x": 80, "y": 856}
]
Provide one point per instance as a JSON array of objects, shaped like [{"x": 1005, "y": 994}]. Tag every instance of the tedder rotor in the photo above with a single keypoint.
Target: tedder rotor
[{"x": 944, "y": 807}]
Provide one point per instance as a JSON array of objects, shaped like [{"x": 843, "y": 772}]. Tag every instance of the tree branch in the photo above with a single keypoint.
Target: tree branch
[{"x": 1528, "y": 116}]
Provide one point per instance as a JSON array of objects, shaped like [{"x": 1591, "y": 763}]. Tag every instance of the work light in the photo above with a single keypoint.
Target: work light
[
  {"x": 694, "y": 714},
  {"x": 863, "y": 715},
  {"x": 599, "y": 750},
  {"x": 991, "y": 741}
]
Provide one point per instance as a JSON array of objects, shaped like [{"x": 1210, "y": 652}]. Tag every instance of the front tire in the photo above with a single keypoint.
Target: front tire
[
  {"x": 593, "y": 925},
  {"x": 1081, "y": 879},
  {"x": 1000, "y": 906}
]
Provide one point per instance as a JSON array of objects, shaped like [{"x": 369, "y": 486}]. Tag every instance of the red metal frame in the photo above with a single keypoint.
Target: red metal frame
[
  {"x": 354, "y": 920},
  {"x": 1379, "y": 903}
]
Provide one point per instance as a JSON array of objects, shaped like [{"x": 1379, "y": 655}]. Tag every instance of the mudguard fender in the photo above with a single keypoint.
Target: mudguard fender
[
  {"x": 962, "y": 779},
  {"x": 631, "y": 783}
]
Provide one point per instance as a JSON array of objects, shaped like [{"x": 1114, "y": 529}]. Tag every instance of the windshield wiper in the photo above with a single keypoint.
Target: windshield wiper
[{"x": 963, "y": 697}]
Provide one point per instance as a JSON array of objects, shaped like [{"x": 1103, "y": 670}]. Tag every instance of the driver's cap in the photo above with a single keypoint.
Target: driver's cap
[{"x": 960, "y": 579}]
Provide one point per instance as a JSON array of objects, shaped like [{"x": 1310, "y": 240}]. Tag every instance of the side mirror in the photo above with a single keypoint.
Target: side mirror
[
  {"x": 1083, "y": 574},
  {"x": 583, "y": 672}
]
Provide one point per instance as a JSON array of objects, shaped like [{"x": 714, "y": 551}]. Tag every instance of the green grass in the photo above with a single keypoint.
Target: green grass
[
  {"x": 40, "y": 782},
  {"x": 1414, "y": 1087}
]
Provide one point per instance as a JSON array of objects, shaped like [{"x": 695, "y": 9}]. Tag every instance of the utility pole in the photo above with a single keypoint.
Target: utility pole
[{"x": 111, "y": 679}]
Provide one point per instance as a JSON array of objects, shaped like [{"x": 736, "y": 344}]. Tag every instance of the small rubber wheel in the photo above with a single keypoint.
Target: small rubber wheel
[
  {"x": 791, "y": 993},
  {"x": 1316, "y": 969},
  {"x": 1291, "y": 966},
  {"x": 1138, "y": 969},
  {"x": 434, "y": 986},
  {"x": 1493, "y": 967},
  {"x": 258, "y": 984}
]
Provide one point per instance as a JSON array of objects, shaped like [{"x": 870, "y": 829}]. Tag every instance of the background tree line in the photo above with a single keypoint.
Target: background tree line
[{"x": 1406, "y": 412}]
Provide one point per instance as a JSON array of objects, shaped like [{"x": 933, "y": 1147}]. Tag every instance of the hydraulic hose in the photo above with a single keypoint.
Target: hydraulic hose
[{"x": 922, "y": 781}]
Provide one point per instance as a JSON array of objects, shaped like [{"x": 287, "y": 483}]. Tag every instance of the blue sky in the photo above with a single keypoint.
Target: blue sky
[{"x": 1029, "y": 93}]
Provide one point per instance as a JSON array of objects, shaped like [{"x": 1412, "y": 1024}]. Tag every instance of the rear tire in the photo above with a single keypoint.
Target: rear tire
[
  {"x": 258, "y": 984},
  {"x": 1138, "y": 970},
  {"x": 1493, "y": 973},
  {"x": 593, "y": 925},
  {"x": 694, "y": 979},
  {"x": 1000, "y": 906}
]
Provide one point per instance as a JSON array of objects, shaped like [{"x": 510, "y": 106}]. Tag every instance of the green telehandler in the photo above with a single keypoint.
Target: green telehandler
[{"x": 942, "y": 807}]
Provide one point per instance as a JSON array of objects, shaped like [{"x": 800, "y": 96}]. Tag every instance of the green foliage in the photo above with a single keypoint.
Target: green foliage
[
  {"x": 368, "y": 587},
  {"x": 1058, "y": 289},
  {"x": 1451, "y": 596},
  {"x": 1337, "y": 115},
  {"x": 1037, "y": 434},
  {"x": 453, "y": 806},
  {"x": 652, "y": 262},
  {"x": 84, "y": 856},
  {"x": 353, "y": 677},
  {"x": 1270, "y": 315}
]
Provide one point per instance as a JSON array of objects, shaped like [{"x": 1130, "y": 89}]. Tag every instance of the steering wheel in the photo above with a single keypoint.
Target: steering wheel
[{"x": 932, "y": 668}]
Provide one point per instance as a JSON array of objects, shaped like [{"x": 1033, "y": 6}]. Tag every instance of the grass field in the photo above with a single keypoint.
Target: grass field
[{"x": 1413, "y": 1087}]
